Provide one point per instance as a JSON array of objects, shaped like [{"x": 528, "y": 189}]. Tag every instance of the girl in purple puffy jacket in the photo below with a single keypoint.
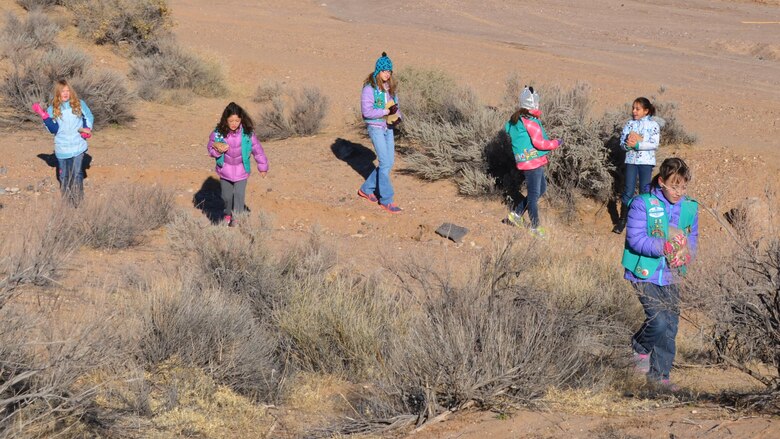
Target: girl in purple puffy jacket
[{"x": 232, "y": 144}]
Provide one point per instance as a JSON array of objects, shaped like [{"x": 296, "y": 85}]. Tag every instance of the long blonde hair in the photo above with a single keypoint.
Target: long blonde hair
[
  {"x": 391, "y": 84},
  {"x": 75, "y": 103}
]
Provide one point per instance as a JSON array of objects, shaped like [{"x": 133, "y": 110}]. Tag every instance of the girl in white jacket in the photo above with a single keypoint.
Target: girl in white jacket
[{"x": 640, "y": 138}]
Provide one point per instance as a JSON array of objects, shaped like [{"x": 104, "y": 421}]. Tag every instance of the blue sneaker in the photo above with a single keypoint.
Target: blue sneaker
[{"x": 370, "y": 197}]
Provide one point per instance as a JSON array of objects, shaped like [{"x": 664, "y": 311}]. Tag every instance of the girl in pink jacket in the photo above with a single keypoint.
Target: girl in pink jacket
[{"x": 232, "y": 143}]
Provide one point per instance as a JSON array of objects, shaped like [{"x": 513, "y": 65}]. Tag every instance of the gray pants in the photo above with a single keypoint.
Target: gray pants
[{"x": 234, "y": 195}]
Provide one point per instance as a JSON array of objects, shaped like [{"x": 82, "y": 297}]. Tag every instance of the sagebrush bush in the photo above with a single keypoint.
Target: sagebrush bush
[
  {"x": 488, "y": 340},
  {"x": 43, "y": 360},
  {"x": 449, "y": 130},
  {"x": 105, "y": 91},
  {"x": 581, "y": 166},
  {"x": 108, "y": 96},
  {"x": 267, "y": 91},
  {"x": 39, "y": 252},
  {"x": 38, "y": 4},
  {"x": 214, "y": 331},
  {"x": 139, "y": 23},
  {"x": 735, "y": 286},
  {"x": 230, "y": 260},
  {"x": 119, "y": 217},
  {"x": 20, "y": 36},
  {"x": 304, "y": 116},
  {"x": 172, "y": 67}
]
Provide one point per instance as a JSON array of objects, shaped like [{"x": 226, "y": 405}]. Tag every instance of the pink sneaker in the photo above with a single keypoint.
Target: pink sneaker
[
  {"x": 641, "y": 363},
  {"x": 370, "y": 197},
  {"x": 228, "y": 220}
]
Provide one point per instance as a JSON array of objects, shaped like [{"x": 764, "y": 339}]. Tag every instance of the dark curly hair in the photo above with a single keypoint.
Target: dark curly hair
[{"x": 233, "y": 109}]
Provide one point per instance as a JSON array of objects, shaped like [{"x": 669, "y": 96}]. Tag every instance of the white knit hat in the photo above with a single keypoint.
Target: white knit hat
[{"x": 529, "y": 99}]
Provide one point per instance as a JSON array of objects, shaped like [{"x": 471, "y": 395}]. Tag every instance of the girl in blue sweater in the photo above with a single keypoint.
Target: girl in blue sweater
[{"x": 70, "y": 120}]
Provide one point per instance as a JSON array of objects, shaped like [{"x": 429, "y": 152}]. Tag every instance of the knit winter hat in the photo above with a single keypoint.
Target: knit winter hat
[
  {"x": 383, "y": 63},
  {"x": 529, "y": 99}
]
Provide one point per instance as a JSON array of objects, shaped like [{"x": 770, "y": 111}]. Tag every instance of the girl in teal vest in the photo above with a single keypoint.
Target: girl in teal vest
[
  {"x": 379, "y": 105},
  {"x": 232, "y": 144},
  {"x": 661, "y": 239},
  {"x": 530, "y": 146}
]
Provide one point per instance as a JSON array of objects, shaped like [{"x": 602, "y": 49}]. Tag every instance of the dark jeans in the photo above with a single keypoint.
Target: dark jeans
[
  {"x": 234, "y": 195},
  {"x": 645, "y": 173},
  {"x": 536, "y": 184},
  {"x": 657, "y": 333},
  {"x": 72, "y": 179}
]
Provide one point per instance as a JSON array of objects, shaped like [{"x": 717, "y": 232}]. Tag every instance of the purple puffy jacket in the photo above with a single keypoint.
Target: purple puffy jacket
[
  {"x": 639, "y": 241},
  {"x": 233, "y": 169}
]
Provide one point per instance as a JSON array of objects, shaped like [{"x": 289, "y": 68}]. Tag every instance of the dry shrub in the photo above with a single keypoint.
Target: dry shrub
[
  {"x": 267, "y": 91},
  {"x": 211, "y": 330},
  {"x": 581, "y": 165},
  {"x": 171, "y": 67},
  {"x": 105, "y": 91},
  {"x": 139, "y": 23},
  {"x": 449, "y": 131},
  {"x": 42, "y": 363},
  {"x": 38, "y": 253},
  {"x": 488, "y": 341},
  {"x": 108, "y": 96},
  {"x": 735, "y": 286},
  {"x": 19, "y": 37},
  {"x": 235, "y": 261},
  {"x": 307, "y": 109},
  {"x": 38, "y": 4},
  {"x": 120, "y": 216},
  {"x": 339, "y": 326}
]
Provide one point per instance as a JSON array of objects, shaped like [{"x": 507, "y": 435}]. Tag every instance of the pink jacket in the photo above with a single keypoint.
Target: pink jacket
[{"x": 233, "y": 169}]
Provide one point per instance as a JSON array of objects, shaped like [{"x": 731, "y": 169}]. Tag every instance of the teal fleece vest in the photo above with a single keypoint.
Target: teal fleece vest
[
  {"x": 522, "y": 147},
  {"x": 644, "y": 266},
  {"x": 246, "y": 150}
]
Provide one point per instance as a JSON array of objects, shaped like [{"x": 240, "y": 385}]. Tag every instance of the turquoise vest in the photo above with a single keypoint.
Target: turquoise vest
[
  {"x": 522, "y": 147},
  {"x": 658, "y": 226},
  {"x": 379, "y": 102},
  {"x": 246, "y": 150}
]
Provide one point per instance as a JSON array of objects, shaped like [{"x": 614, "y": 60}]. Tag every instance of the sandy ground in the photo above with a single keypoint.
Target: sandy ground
[{"x": 713, "y": 59}]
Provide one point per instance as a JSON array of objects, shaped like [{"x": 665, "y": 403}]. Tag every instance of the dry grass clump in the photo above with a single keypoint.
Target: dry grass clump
[
  {"x": 120, "y": 216},
  {"x": 139, "y": 23},
  {"x": 296, "y": 113},
  {"x": 213, "y": 331},
  {"x": 170, "y": 67}
]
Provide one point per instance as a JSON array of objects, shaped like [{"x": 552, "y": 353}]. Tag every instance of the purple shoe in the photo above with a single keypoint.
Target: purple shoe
[
  {"x": 370, "y": 197},
  {"x": 392, "y": 208}
]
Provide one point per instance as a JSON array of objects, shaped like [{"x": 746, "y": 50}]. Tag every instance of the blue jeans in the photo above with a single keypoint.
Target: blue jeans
[
  {"x": 645, "y": 174},
  {"x": 379, "y": 180},
  {"x": 72, "y": 179},
  {"x": 657, "y": 333},
  {"x": 536, "y": 184}
]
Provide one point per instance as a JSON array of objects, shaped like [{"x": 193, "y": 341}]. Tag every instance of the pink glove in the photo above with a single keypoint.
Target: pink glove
[
  {"x": 86, "y": 133},
  {"x": 36, "y": 107}
]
